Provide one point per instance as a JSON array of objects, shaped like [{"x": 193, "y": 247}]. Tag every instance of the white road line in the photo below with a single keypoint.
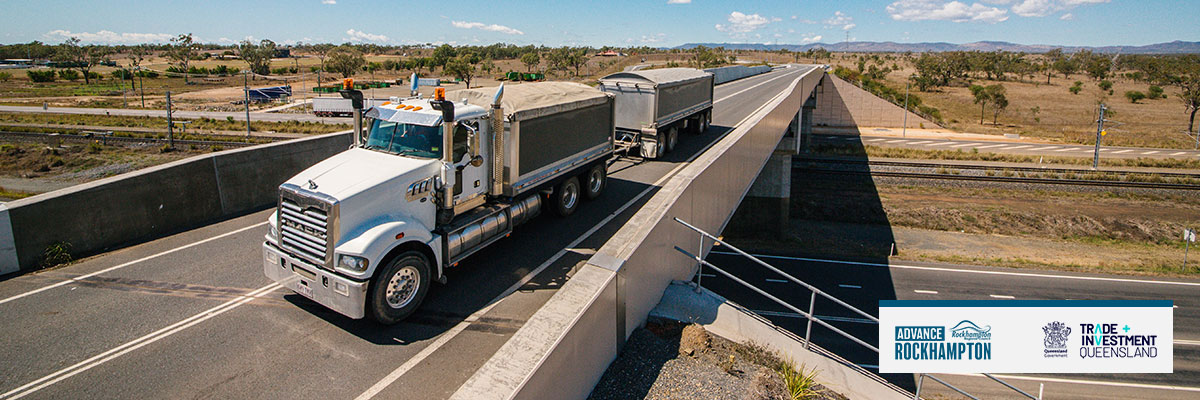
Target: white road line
[
  {"x": 453, "y": 332},
  {"x": 1066, "y": 149},
  {"x": 708, "y": 275},
  {"x": 939, "y": 144},
  {"x": 776, "y": 280},
  {"x": 965, "y": 145},
  {"x": 1087, "y": 382},
  {"x": 925, "y": 291},
  {"x": 896, "y": 141},
  {"x": 1187, "y": 342},
  {"x": 1150, "y": 152},
  {"x": 1121, "y": 151},
  {"x": 849, "y": 286},
  {"x": 972, "y": 271},
  {"x": 1179, "y": 153},
  {"x": 921, "y": 142},
  {"x": 135, "y": 344},
  {"x": 1017, "y": 147},
  {"x": 113, "y": 268},
  {"x": 1044, "y": 148},
  {"x": 1001, "y": 296},
  {"x": 850, "y": 138},
  {"x": 785, "y": 74},
  {"x": 990, "y": 146},
  {"x": 873, "y": 140}
]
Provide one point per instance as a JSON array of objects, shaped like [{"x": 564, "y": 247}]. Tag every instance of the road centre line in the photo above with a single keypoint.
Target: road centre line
[
  {"x": 988, "y": 147},
  {"x": 971, "y": 271},
  {"x": 849, "y": 286},
  {"x": 896, "y": 141},
  {"x": 1045, "y": 148},
  {"x": 135, "y": 344},
  {"x": 1187, "y": 342},
  {"x": 461, "y": 326},
  {"x": 939, "y": 144},
  {"x": 1150, "y": 152},
  {"x": 1017, "y": 147},
  {"x": 773, "y": 280},
  {"x": 116, "y": 267},
  {"x": 1122, "y": 151},
  {"x": 752, "y": 87},
  {"x": 1001, "y": 296},
  {"x": 921, "y": 142},
  {"x": 1179, "y": 153},
  {"x": 925, "y": 291},
  {"x": 964, "y": 145}
]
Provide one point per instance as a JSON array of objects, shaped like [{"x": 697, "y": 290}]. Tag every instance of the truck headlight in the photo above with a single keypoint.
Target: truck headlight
[
  {"x": 352, "y": 263},
  {"x": 274, "y": 232}
]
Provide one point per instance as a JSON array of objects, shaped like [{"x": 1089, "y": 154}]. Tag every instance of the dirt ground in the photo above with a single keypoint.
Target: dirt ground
[{"x": 32, "y": 168}]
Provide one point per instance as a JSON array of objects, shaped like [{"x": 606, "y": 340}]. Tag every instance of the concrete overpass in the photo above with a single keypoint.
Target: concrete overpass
[{"x": 190, "y": 314}]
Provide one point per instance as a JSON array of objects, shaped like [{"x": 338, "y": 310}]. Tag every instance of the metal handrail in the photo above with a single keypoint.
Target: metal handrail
[
  {"x": 781, "y": 302},
  {"x": 812, "y": 301},
  {"x": 777, "y": 271}
]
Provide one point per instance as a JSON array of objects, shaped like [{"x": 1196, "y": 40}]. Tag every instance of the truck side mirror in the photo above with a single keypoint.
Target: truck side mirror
[{"x": 472, "y": 142}]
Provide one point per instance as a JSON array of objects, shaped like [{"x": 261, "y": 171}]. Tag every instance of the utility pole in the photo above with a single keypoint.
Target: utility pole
[
  {"x": 142, "y": 87},
  {"x": 904, "y": 130},
  {"x": 1099, "y": 134},
  {"x": 170, "y": 125},
  {"x": 246, "y": 89},
  {"x": 1189, "y": 236}
]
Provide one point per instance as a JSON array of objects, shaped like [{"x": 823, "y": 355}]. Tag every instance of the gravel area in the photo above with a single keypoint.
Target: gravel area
[{"x": 671, "y": 360}]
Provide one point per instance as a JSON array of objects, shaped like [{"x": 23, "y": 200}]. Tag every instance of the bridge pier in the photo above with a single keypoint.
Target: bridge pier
[{"x": 764, "y": 209}]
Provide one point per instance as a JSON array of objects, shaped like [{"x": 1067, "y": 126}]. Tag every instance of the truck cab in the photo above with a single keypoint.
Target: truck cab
[{"x": 426, "y": 183}]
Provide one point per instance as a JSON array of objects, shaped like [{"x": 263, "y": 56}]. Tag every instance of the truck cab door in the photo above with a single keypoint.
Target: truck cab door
[{"x": 470, "y": 180}]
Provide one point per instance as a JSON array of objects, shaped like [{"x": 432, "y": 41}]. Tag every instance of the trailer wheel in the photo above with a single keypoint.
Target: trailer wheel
[
  {"x": 703, "y": 123},
  {"x": 397, "y": 290},
  {"x": 596, "y": 179},
  {"x": 566, "y": 197},
  {"x": 672, "y": 139}
]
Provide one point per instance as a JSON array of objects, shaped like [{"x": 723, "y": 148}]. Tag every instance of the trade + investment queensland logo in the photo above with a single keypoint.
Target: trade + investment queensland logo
[
  {"x": 967, "y": 341},
  {"x": 1115, "y": 341}
]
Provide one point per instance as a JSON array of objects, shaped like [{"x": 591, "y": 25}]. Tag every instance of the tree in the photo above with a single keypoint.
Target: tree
[
  {"x": 1134, "y": 96},
  {"x": 257, "y": 56},
  {"x": 1049, "y": 59},
  {"x": 136, "y": 55},
  {"x": 443, "y": 54},
  {"x": 461, "y": 68},
  {"x": 80, "y": 57},
  {"x": 346, "y": 60},
  {"x": 1155, "y": 92},
  {"x": 1066, "y": 66},
  {"x": 981, "y": 98},
  {"x": 1097, "y": 66},
  {"x": 487, "y": 65},
  {"x": 182, "y": 51},
  {"x": 321, "y": 51},
  {"x": 530, "y": 59},
  {"x": 999, "y": 101}
]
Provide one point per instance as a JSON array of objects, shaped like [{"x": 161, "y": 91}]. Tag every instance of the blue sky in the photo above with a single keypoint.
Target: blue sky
[{"x": 613, "y": 22}]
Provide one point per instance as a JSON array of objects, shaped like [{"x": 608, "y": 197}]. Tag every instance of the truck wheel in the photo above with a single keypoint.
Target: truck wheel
[
  {"x": 398, "y": 289},
  {"x": 566, "y": 197},
  {"x": 660, "y": 146},
  {"x": 704, "y": 122},
  {"x": 596, "y": 179},
  {"x": 672, "y": 139}
]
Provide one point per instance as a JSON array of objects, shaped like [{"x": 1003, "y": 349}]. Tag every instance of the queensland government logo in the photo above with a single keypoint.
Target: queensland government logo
[
  {"x": 967, "y": 330},
  {"x": 1056, "y": 339}
]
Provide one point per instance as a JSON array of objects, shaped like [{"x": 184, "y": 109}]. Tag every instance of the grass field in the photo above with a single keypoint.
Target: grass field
[{"x": 195, "y": 126}]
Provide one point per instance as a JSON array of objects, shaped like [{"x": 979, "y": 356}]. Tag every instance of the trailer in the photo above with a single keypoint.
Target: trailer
[
  {"x": 653, "y": 106},
  {"x": 338, "y": 107}
]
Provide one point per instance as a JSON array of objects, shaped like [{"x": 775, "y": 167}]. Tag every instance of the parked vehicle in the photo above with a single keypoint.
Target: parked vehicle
[
  {"x": 432, "y": 181},
  {"x": 654, "y": 106}
]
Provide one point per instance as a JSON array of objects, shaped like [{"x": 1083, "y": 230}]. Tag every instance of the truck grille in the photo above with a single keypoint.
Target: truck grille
[{"x": 304, "y": 231}]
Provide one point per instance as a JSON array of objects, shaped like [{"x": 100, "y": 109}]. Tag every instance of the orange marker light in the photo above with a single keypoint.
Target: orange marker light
[
  {"x": 348, "y": 83},
  {"x": 400, "y": 236},
  {"x": 439, "y": 94},
  {"x": 417, "y": 108},
  {"x": 386, "y": 103}
]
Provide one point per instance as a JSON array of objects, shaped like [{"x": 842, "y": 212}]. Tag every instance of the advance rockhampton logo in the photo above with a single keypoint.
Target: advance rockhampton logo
[{"x": 1025, "y": 336}]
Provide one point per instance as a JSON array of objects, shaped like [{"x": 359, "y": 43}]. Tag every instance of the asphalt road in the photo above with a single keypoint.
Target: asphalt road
[
  {"x": 191, "y": 315},
  {"x": 863, "y": 284},
  {"x": 1009, "y": 147}
]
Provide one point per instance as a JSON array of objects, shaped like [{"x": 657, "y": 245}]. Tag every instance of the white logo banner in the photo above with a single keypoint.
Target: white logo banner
[{"x": 1025, "y": 336}]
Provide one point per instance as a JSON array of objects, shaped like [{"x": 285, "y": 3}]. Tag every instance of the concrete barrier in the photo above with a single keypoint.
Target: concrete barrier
[
  {"x": 735, "y": 72},
  {"x": 127, "y": 208},
  {"x": 564, "y": 348}
]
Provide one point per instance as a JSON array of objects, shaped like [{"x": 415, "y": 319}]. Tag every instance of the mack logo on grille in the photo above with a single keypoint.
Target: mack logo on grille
[{"x": 304, "y": 228}]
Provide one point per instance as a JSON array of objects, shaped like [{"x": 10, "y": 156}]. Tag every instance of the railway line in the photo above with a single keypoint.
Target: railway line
[{"x": 105, "y": 139}]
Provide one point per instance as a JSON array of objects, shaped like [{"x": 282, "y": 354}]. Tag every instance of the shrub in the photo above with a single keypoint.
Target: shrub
[
  {"x": 1155, "y": 92},
  {"x": 1078, "y": 86},
  {"x": 122, "y": 74},
  {"x": 1134, "y": 96},
  {"x": 41, "y": 76},
  {"x": 146, "y": 74},
  {"x": 56, "y": 254},
  {"x": 93, "y": 75},
  {"x": 5, "y": 76},
  {"x": 69, "y": 74},
  {"x": 1105, "y": 85},
  {"x": 94, "y": 147}
]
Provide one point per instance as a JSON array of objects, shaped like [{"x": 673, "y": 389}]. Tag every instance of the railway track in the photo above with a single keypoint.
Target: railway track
[
  {"x": 806, "y": 165},
  {"x": 53, "y": 137},
  {"x": 908, "y": 164}
]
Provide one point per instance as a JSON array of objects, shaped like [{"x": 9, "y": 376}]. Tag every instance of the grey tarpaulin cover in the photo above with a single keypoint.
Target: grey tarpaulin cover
[{"x": 531, "y": 100}]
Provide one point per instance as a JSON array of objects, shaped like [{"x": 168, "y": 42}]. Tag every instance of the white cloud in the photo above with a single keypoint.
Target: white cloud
[
  {"x": 742, "y": 23},
  {"x": 330, "y": 2},
  {"x": 679, "y": 1},
  {"x": 108, "y": 37},
  {"x": 1067, "y": 17},
  {"x": 839, "y": 19},
  {"x": 933, "y": 10},
  {"x": 1042, "y": 8},
  {"x": 486, "y": 27},
  {"x": 810, "y": 39},
  {"x": 360, "y": 36},
  {"x": 648, "y": 39}
]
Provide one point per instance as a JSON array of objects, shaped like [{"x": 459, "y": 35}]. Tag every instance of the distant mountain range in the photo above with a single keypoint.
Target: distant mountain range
[{"x": 1176, "y": 47}]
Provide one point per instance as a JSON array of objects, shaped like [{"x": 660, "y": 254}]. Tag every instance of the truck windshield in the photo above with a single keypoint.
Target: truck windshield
[{"x": 405, "y": 139}]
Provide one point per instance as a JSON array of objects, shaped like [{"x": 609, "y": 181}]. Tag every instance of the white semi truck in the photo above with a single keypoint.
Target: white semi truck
[
  {"x": 432, "y": 181},
  {"x": 654, "y": 106}
]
